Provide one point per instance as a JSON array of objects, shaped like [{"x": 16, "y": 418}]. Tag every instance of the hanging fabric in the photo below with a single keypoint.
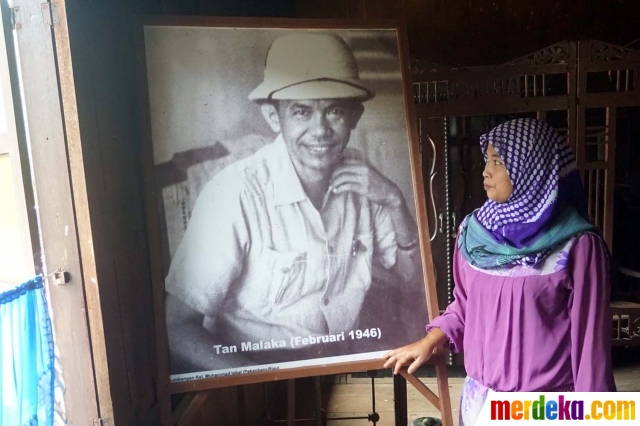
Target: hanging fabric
[{"x": 26, "y": 357}]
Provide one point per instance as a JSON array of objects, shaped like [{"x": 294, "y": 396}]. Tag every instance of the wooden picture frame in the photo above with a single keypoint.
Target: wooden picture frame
[{"x": 179, "y": 136}]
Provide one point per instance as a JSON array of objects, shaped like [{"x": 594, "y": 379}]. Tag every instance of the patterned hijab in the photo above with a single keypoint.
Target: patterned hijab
[{"x": 547, "y": 206}]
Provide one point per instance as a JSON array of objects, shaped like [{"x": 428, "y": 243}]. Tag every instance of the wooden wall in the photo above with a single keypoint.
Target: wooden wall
[
  {"x": 483, "y": 32},
  {"x": 101, "y": 35},
  {"x": 103, "y": 65}
]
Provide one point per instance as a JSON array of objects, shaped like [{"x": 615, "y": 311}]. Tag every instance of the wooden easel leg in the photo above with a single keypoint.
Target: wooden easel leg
[
  {"x": 241, "y": 407},
  {"x": 318, "y": 401},
  {"x": 443, "y": 392},
  {"x": 400, "y": 399},
  {"x": 441, "y": 401},
  {"x": 182, "y": 407},
  {"x": 291, "y": 402},
  {"x": 192, "y": 408},
  {"x": 164, "y": 405}
]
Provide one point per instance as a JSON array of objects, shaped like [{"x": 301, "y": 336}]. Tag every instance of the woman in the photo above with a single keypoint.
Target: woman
[{"x": 531, "y": 308}]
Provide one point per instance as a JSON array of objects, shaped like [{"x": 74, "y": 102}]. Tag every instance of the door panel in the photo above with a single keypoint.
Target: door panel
[
  {"x": 57, "y": 218},
  {"x": 433, "y": 146}
]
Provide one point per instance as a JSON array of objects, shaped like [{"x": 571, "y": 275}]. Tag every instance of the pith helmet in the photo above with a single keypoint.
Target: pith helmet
[{"x": 310, "y": 66}]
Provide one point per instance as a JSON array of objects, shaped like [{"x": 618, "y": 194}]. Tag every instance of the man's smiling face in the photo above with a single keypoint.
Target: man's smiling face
[{"x": 315, "y": 131}]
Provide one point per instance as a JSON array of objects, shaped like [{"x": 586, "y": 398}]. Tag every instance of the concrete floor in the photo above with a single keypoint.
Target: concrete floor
[{"x": 351, "y": 396}]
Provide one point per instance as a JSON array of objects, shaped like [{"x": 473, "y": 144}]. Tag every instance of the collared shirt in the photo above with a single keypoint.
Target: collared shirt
[{"x": 261, "y": 262}]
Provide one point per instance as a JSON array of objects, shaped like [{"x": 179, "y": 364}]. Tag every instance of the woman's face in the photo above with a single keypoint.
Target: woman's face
[{"x": 496, "y": 178}]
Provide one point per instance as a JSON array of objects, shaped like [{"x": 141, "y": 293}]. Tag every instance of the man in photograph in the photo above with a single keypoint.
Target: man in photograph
[{"x": 281, "y": 246}]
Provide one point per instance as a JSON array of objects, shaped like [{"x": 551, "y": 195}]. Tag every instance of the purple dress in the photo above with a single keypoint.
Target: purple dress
[
  {"x": 541, "y": 328},
  {"x": 543, "y": 325}
]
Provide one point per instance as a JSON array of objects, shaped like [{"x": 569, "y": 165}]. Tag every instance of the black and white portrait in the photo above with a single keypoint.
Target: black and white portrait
[{"x": 285, "y": 197}]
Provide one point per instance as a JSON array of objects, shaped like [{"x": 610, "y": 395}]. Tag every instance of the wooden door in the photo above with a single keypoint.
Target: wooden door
[
  {"x": 33, "y": 64},
  {"x": 434, "y": 169},
  {"x": 96, "y": 57},
  {"x": 608, "y": 79}
]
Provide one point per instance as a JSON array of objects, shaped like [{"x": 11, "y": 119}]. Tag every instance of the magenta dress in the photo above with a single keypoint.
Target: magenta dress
[{"x": 542, "y": 328}]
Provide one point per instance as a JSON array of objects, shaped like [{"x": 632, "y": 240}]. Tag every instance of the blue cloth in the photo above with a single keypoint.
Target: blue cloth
[
  {"x": 26, "y": 356},
  {"x": 479, "y": 248}
]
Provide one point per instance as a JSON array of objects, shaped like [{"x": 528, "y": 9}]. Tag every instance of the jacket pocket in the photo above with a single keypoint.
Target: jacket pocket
[{"x": 284, "y": 273}]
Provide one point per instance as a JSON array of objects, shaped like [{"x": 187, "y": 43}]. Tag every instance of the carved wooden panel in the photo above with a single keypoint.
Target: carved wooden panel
[
  {"x": 557, "y": 54},
  {"x": 468, "y": 102},
  {"x": 432, "y": 137},
  {"x": 596, "y": 141},
  {"x": 626, "y": 323},
  {"x": 540, "y": 81},
  {"x": 600, "y": 51},
  {"x": 603, "y": 76},
  {"x": 607, "y": 80}
]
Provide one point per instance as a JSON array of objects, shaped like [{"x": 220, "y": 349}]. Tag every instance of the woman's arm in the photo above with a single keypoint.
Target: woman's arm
[
  {"x": 447, "y": 327},
  {"x": 590, "y": 317},
  {"x": 452, "y": 321}
]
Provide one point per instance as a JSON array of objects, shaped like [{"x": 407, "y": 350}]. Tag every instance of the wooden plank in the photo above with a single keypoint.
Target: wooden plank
[
  {"x": 265, "y": 376},
  {"x": 602, "y": 66},
  {"x": 317, "y": 406},
  {"x": 595, "y": 165},
  {"x": 612, "y": 99},
  {"x": 323, "y": 8},
  {"x": 400, "y": 400},
  {"x": 492, "y": 105},
  {"x": 590, "y": 198},
  {"x": 193, "y": 407},
  {"x": 221, "y": 408},
  {"x": 597, "y": 201},
  {"x": 103, "y": 58},
  {"x": 240, "y": 398},
  {"x": 572, "y": 101},
  {"x": 122, "y": 253},
  {"x": 136, "y": 376},
  {"x": 291, "y": 402},
  {"x": 163, "y": 387},
  {"x": 427, "y": 255},
  {"x": 602, "y": 210},
  {"x": 541, "y": 115},
  {"x": 610, "y": 176},
  {"x": 418, "y": 182},
  {"x": 580, "y": 140},
  {"x": 422, "y": 388},
  {"x": 486, "y": 73},
  {"x": 85, "y": 234},
  {"x": 58, "y": 223},
  {"x": 285, "y": 23},
  {"x": 462, "y": 31},
  {"x": 354, "y": 399},
  {"x": 151, "y": 418},
  {"x": 182, "y": 406},
  {"x": 443, "y": 391}
]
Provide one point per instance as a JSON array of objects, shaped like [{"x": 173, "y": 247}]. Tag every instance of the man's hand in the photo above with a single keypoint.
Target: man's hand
[
  {"x": 359, "y": 176},
  {"x": 415, "y": 354}
]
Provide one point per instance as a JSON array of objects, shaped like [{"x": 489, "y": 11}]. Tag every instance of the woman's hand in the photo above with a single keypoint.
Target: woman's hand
[{"x": 415, "y": 354}]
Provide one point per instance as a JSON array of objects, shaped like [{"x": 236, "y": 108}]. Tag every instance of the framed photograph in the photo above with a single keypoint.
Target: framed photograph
[{"x": 286, "y": 208}]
